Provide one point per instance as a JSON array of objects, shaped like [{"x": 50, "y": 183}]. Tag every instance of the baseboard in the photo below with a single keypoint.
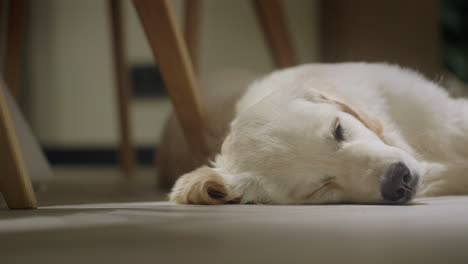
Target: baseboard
[{"x": 94, "y": 155}]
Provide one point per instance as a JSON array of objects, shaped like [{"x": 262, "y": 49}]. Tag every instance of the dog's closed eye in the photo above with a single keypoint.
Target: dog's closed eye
[{"x": 338, "y": 132}]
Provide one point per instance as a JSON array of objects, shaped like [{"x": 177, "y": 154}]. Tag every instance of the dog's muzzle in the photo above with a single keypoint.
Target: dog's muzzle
[{"x": 398, "y": 184}]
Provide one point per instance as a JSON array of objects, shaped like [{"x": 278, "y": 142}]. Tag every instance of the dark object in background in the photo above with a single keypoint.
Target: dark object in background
[
  {"x": 398, "y": 31},
  {"x": 455, "y": 37},
  {"x": 93, "y": 155},
  {"x": 146, "y": 81}
]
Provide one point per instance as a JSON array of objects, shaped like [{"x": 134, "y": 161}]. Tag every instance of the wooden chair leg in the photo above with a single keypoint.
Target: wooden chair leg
[
  {"x": 192, "y": 29},
  {"x": 176, "y": 69},
  {"x": 13, "y": 50},
  {"x": 14, "y": 179},
  {"x": 273, "y": 20},
  {"x": 127, "y": 148}
]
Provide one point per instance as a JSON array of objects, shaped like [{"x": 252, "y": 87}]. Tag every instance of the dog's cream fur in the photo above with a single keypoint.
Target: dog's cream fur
[{"x": 280, "y": 148}]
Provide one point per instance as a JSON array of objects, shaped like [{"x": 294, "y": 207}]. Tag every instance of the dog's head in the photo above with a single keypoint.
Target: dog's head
[{"x": 302, "y": 144}]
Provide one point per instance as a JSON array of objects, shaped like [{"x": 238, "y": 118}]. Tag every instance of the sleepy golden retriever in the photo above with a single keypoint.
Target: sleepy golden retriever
[{"x": 326, "y": 133}]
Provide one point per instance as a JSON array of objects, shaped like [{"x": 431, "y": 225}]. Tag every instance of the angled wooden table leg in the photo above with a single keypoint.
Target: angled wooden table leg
[
  {"x": 169, "y": 48},
  {"x": 14, "y": 43},
  {"x": 127, "y": 147},
  {"x": 14, "y": 179},
  {"x": 192, "y": 29},
  {"x": 273, "y": 20}
]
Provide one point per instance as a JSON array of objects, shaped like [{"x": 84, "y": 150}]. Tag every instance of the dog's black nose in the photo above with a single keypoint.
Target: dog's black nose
[{"x": 398, "y": 184}]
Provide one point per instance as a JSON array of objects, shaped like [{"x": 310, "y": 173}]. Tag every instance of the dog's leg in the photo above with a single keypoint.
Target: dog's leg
[
  {"x": 459, "y": 129},
  {"x": 444, "y": 179},
  {"x": 450, "y": 176}
]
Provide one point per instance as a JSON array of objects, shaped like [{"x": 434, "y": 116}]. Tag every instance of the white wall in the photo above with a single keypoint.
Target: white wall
[{"x": 71, "y": 100}]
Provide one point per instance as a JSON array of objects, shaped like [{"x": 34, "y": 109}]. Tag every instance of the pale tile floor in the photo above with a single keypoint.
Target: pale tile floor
[{"x": 430, "y": 230}]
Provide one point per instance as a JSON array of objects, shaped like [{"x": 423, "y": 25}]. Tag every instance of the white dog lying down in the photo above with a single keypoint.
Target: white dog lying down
[{"x": 330, "y": 133}]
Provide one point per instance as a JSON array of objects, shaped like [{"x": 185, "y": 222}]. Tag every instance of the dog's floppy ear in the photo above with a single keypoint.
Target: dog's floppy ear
[
  {"x": 321, "y": 91},
  {"x": 368, "y": 120},
  {"x": 201, "y": 186}
]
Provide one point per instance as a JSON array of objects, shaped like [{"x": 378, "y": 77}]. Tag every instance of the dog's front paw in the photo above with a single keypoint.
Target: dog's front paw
[{"x": 201, "y": 186}]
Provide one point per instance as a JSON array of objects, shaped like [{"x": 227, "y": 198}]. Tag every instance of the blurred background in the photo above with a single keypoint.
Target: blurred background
[{"x": 67, "y": 86}]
